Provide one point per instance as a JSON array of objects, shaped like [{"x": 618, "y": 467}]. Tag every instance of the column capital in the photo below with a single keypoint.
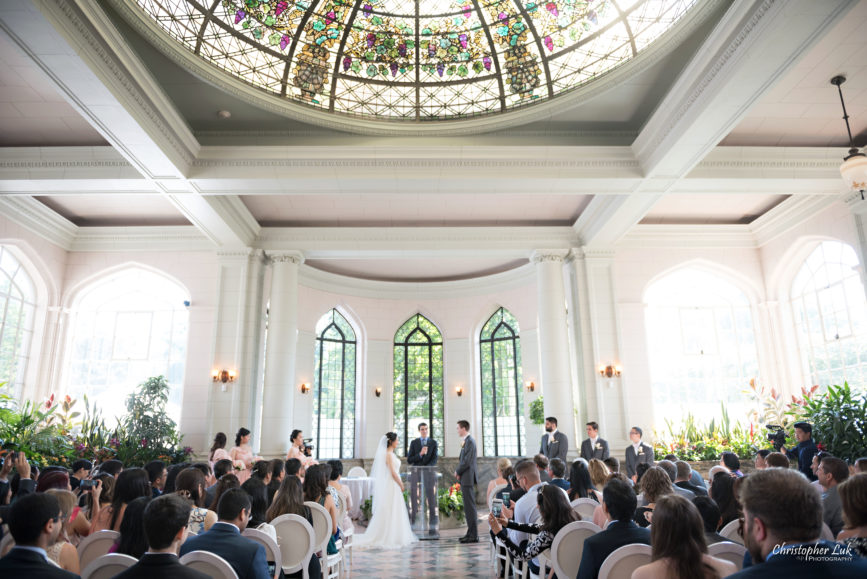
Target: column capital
[
  {"x": 549, "y": 255},
  {"x": 295, "y": 257}
]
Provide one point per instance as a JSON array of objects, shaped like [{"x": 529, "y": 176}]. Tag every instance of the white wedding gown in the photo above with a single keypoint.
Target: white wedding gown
[{"x": 389, "y": 526}]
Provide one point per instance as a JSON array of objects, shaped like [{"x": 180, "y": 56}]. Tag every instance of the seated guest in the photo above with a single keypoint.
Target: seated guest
[
  {"x": 113, "y": 467},
  {"x": 97, "y": 502},
  {"x": 671, "y": 470},
  {"x": 777, "y": 460},
  {"x": 639, "y": 472},
  {"x": 581, "y": 484},
  {"x": 165, "y": 527},
  {"x": 289, "y": 500},
  {"x": 227, "y": 482},
  {"x": 293, "y": 467},
  {"x": 341, "y": 495},
  {"x": 860, "y": 465},
  {"x": 221, "y": 467},
  {"x": 207, "y": 472},
  {"x": 262, "y": 471},
  {"x": 556, "y": 470},
  {"x": 598, "y": 472},
  {"x": 542, "y": 464},
  {"x": 258, "y": 493},
  {"x": 133, "y": 541},
  {"x": 654, "y": 485},
  {"x": 190, "y": 483},
  {"x": 695, "y": 478},
  {"x": 53, "y": 479},
  {"x": 711, "y": 518},
  {"x": 63, "y": 552},
  {"x": 679, "y": 549},
  {"x": 619, "y": 503},
  {"x": 683, "y": 472},
  {"x": 555, "y": 512},
  {"x": 245, "y": 556},
  {"x": 731, "y": 461},
  {"x": 130, "y": 484},
  {"x": 80, "y": 470},
  {"x": 722, "y": 491},
  {"x": 157, "y": 473},
  {"x": 174, "y": 471},
  {"x": 513, "y": 488},
  {"x": 526, "y": 508},
  {"x": 34, "y": 522},
  {"x": 831, "y": 472},
  {"x": 760, "y": 461},
  {"x": 613, "y": 464},
  {"x": 278, "y": 471},
  {"x": 316, "y": 491},
  {"x": 500, "y": 479},
  {"x": 853, "y": 498},
  {"x": 782, "y": 524}
]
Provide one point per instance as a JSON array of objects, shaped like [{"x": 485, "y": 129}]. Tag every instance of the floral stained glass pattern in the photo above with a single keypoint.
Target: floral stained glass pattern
[{"x": 416, "y": 59}]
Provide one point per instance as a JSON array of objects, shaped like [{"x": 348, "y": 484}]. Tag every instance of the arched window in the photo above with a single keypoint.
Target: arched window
[
  {"x": 17, "y": 310},
  {"x": 701, "y": 346},
  {"x": 334, "y": 388},
  {"x": 830, "y": 313},
  {"x": 127, "y": 327},
  {"x": 418, "y": 379},
  {"x": 502, "y": 404}
]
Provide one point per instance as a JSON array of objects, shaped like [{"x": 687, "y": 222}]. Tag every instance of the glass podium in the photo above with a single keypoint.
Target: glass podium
[{"x": 422, "y": 483}]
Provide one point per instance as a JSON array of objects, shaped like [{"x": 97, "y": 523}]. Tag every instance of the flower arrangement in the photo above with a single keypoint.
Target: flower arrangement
[{"x": 451, "y": 502}]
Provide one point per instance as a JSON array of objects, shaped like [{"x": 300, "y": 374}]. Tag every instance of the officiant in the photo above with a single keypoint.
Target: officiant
[{"x": 423, "y": 452}]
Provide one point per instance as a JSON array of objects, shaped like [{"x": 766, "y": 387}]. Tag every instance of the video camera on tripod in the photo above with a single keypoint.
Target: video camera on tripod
[{"x": 777, "y": 436}]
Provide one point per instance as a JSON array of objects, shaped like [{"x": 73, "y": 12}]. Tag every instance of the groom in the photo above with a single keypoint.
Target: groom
[{"x": 466, "y": 475}]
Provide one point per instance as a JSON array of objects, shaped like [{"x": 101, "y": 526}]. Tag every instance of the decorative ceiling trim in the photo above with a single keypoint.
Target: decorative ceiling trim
[
  {"x": 334, "y": 283},
  {"x": 696, "y": 17},
  {"x": 788, "y": 215},
  {"x": 158, "y": 238},
  {"x": 44, "y": 222},
  {"x": 689, "y": 237}
]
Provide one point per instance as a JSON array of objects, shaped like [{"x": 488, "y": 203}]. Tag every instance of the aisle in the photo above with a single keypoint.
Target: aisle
[{"x": 443, "y": 558}]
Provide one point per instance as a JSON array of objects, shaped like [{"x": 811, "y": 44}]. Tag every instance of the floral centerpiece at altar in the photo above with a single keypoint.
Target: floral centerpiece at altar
[{"x": 450, "y": 503}]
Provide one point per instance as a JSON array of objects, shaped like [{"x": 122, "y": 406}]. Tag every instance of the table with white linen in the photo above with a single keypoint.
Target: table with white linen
[{"x": 360, "y": 488}]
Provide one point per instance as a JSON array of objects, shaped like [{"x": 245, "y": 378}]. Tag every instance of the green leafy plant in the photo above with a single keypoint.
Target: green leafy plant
[
  {"x": 771, "y": 408},
  {"x": 451, "y": 502},
  {"x": 537, "y": 411},
  {"x": 367, "y": 507},
  {"x": 693, "y": 441},
  {"x": 146, "y": 432},
  {"x": 839, "y": 419}
]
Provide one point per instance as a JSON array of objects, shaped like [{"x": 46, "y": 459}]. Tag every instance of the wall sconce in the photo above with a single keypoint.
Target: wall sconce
[
  {"x": 377, "y": 391},
  {"x": 459, "y": 391},
  {"x": 223, "y": 376},
  {"x": 609, "y": 371},
  {"x": 305, "y": 388},
  {"x": 531, "y": 386}
]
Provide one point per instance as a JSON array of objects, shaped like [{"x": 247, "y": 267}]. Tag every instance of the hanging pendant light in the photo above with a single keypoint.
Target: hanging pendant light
[{"x": 854, "y": 167}]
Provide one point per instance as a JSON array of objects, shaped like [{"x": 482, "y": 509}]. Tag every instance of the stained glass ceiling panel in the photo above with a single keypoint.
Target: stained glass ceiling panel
[{"x": 415, "y": 60}]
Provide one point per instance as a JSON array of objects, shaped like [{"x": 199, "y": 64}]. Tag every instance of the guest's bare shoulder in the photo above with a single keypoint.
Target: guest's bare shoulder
[{"x": 721, "y": 566}]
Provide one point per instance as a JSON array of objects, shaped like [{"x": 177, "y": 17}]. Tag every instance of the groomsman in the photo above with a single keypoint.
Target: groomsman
[
  {"x": 466, "y": 475},
  {"x": 637, "y": 453},
  {"x": 554, "y": 443},
  {"x": 593, "y": 446},
  {"x": 423, "y": 452}
]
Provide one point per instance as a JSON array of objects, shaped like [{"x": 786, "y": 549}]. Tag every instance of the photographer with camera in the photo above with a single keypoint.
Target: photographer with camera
[
  {"x": 805, "y": 450},
  {"x": 300, "y": 449}
]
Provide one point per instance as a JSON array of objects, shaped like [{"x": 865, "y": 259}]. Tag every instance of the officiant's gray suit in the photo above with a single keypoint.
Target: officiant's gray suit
[{"x": 467, "y": 477}]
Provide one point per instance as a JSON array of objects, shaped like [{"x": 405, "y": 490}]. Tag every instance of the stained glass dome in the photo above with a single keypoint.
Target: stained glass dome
[{"x": 415, "y": 60}]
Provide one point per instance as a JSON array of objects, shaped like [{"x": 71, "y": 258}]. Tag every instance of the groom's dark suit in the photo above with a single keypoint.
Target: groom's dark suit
[
  {"x": 467, "y": 477},
  {"x": 428, "y": 477}
]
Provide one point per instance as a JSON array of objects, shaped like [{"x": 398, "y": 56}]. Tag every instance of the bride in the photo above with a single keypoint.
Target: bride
[{"x": 389, "y": 525}]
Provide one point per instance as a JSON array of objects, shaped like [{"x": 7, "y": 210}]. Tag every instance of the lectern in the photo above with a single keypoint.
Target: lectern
[{"x": 423, "y": 503}]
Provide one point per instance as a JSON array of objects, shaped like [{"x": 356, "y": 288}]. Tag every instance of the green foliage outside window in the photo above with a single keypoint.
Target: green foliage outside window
[{"x": 537, "y": 411}]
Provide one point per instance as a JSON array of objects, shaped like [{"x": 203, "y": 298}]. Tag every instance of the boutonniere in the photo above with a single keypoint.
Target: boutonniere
[
  {"x": 463, "y": 442},
  {"x": 598, "y": 446},
  {"x": 640, "y": 451}
]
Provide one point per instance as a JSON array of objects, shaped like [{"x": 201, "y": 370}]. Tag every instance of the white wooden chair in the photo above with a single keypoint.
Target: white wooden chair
[
  {"x": 728, "y": 552},
  {"x": 568, "y": 546},
  {"x": 272, "y": 549},
  {"x": 95, "y": 545},
  {"x": 585, "y": 508},
  {"x": 210, "y": 564},
  {"x": 493, "y": 494},
  {"x": 500, "y": 554},
  {"x": 623, "y": 561},
  {"x": 730, "y": 532},
  {"x": 331, "y": 564},
  {"x": 297, "y": 541},
  {"x": 346, "y": 535},
  {"x": 357, "y": 472},
  {"x": 108, "y": 566}
]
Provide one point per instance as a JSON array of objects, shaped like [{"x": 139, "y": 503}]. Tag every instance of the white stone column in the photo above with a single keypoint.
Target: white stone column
[
  {"x": 279, "y": 389},
  {"x": 554, "y": 341}
]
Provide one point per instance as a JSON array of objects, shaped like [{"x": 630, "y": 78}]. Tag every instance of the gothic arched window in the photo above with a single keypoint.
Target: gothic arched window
[
  {"x": 418, "y": 379},
  {"x": 334, "y": 387},
  {"x": 502, "y": 404},
  {"x": 17, "y": 310}
]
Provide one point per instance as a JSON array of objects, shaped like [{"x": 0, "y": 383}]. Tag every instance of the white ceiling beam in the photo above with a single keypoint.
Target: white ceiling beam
[{"x": 756, "y": 42}]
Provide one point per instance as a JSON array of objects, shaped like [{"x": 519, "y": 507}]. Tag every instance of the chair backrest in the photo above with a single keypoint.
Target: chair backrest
[
  {"x": 568, "y": 546},
  {"x": 493, "y": 494},
  {"x": 272, "y": 549},
  {"x": 623, "y": 561},
  {"x": 96, "y": 545},
  {"x": 321, "y": 524},
  {"x": 356, "y": 471},
  {"x": 297, "y": 542},
  {"x": 108, "y": 566},
  {"x": 209, "y": 564},
  {"x": 728, "y": 552},
  {"x": 730, "y": 532},
  {"x": 826, "y": 534},
  {"x": 341, "y": 511},
  {"x": 585, "y": 508}
]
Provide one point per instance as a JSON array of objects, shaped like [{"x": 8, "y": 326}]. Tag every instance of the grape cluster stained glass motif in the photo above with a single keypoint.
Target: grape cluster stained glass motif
[{"x": 416, "y": 60}]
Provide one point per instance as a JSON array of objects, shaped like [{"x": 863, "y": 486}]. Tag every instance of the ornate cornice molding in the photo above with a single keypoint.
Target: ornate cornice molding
[
  {"x": 38, "y": 218},
  {"x": 788, "y": 214},
  {"x": 643, "y": 236},
  {"x": 294, "y": 257},
  {"x": 549, "y": 256},
  {"x": 158, "y": 238}
]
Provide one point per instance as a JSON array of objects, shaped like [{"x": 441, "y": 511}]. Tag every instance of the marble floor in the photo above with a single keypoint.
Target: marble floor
[{"x": 443, "y": 558}]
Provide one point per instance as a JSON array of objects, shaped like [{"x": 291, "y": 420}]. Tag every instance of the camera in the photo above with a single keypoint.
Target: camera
[
  {"x": 87, "y": 484},
  {"x": 776, "y": 435},
  {"x": 308, "y": 447}
]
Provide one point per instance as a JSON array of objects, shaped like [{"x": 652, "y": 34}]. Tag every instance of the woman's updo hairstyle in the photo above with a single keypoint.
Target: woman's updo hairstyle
[
  {"x": 390, "y": 437},
  {"x": 242, "y": 432},
  {"x": 294, "y": 435}
]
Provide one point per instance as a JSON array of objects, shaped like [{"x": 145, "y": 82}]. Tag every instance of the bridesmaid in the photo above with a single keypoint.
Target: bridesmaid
[
  {"x": 242, "y": 453},
  {"x": 219, "y": 452},
  {"x": 296, "y": 450}
]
